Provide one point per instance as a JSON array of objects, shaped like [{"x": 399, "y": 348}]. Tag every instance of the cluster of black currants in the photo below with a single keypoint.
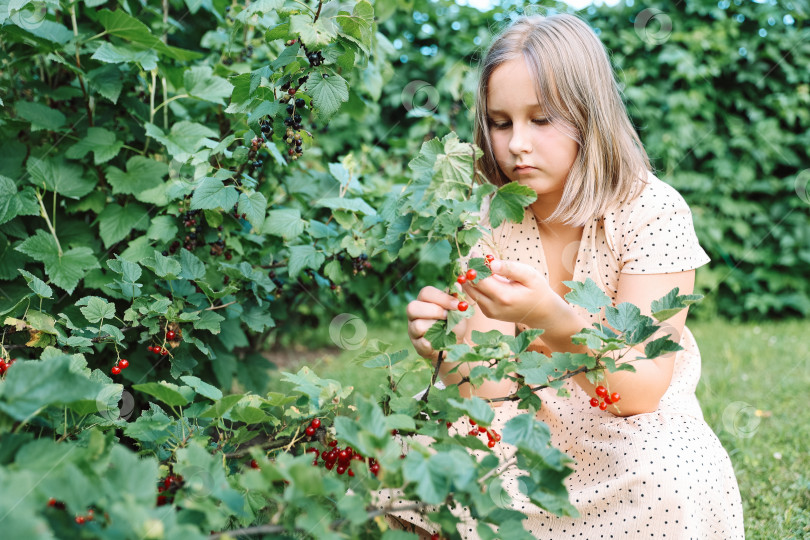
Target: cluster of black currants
[
  {"x": 192, "y": 226},
  {"x": 293, "y": 136},
  {"x": 359, "y": 264},
  {"x": 255, "y": 145}
]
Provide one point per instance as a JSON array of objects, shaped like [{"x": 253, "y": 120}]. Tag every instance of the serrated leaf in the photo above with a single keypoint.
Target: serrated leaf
[
  {"x": 64, "y": 271},
  {"x": 302, "y": 257},
  {"x": 121, "y": 54},
  {"x": 39, "y": 287},
  {"x": 192, "y": 267},
  {"x": 322, "y": 32},
  {"x": 96, "y": 309},
  {"x": 218, "y": 409},
  {"x": 286, "y": 222},
  {"x": 343, "y": 203},
  {"x": 167, "y": 393},
  {"x": 100, "y": 141},
  {"x": 56, "y": 175},
  {"x": 253, "y": 205},
  {"x": 116, "y": 222},
  {"x": 660, "y": 346},
  {"x": 671, "y": 303},
  {"x": 509, "y": 202},
  {"x": 200, "y": 82},
  {"x": 212, "y": 193},
  {"x": 184, "y": 139},
  {"x": 119, "y": 23},
  {"x": 476, "y": 408},
  {"x": 209, "y": 320},
  {"x": 41, "y": 116},
  {"x": 587, "y": 295},
  {"x": 525, "y": 431},
  {"x": 624, "y": 317},
  {"x": 142, "y": 174},
  {"x": 202, "y": 387},
  {"x": 327, "y": 94}
]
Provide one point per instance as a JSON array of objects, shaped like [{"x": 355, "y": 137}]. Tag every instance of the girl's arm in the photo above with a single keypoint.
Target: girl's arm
[{"x": 642, "y": 390}]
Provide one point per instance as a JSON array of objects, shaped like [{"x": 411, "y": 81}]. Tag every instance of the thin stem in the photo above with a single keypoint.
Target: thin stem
[
  {"x": 44, "y": 214},
  {"x": 435, "y": 376},
  {"x": 79, "y": 64},
  {"x": 178, "y": 96}
]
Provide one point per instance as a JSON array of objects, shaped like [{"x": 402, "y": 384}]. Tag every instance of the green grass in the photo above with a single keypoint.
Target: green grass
[{"x": 754, "y": 395}]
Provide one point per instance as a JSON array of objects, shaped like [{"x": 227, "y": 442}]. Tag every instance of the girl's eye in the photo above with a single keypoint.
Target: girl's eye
[
  {"x": 540, "y": 121},
  {"x": 504, "y": 125}
]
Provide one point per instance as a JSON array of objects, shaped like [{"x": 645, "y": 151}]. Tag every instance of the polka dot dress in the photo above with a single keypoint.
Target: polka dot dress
[{"x": 657, "y": 475}]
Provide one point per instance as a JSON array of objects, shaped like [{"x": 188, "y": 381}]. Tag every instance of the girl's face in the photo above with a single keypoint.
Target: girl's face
[{"x": 528, "y": 149}]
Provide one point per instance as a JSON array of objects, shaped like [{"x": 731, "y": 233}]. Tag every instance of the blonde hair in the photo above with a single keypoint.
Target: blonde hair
[{"x": 576, "y": 85}]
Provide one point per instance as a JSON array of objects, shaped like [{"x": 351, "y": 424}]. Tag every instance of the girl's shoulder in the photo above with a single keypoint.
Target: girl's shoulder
[{"x": 653, "y": 195}]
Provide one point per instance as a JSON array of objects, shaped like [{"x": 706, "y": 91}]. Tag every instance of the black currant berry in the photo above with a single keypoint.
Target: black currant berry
[{"x": 300, "y": 103}]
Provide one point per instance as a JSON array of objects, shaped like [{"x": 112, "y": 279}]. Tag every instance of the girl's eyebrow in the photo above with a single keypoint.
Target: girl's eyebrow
[{"x": 498, "y": 111}]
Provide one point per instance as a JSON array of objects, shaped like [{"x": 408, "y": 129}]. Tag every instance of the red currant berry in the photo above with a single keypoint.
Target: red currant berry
[
  {"x": 462, "y": 306},
  {"x": 351, "y": 472},
  {"x": 471, "y": 274},
  {"x": 594, "y": 402},
  {"x": 472, "y": 422},
  {"x": 340, "y": 469},
  {"x": 310, "y": 431},
  {"x": 329, "y": 465},
  {"x": 489, "y": 258},
  {"x": 51, "y": 502},
  {"x": 601, "y": 391},
  {"x": 254, "y": 464},
  {"x": 491, "y": 444},
  {"x": 333, "y": 443},
  {"x": 603, "y": 405},
  {"x": 123, "y": 363},
  {"x": 80, "y": 520},
  {"x": 170, "y": 335},
  {"x": 375, "y": 468},
  {"x": 461, "y": 280},
  {"x": 614, "y": 397},
  {"x": 482, "y": 429},
  {"x": 449, "y": 424},
  {"x": 292, "y": 91},
  {"x": 608, "y": 400},
  {"x": 115, "y": 370},
  {"x": 316, "y": 423},
  {"x": 496, "y": 437},
  {"x": 394, "y": 432},
  {"x": 164, "y": 351}
]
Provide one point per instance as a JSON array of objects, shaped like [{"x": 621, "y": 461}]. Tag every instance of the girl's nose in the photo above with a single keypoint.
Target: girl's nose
[{"x": 520, "y": 142}]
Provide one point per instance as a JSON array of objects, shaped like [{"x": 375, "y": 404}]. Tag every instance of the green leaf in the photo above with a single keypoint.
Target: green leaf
[
  {"x": 101, "y": 142},
  {"x": 624, "y": 317},
  {"x": 509, "y": 203},
  {"x": 96, "y": 309},
  {"x": 209, "y": 320},
  {"x": 201, "y": 387},
  {"x": 218, "y": 409},
  {"x": 40, "y": 116},
  {"x": 164, "y": 267},
  {"x": 286, "y": 222},
  {"x": 185, "y": 138},
  {"x": 660, "y": 346},
  {"x": 476, "y": 408},
  {"x": 253, "y": 205},
  {"x": 192, "y": 267},
  {"x": 39, "y": 287},
  {"x": 14, "y": 203},
  {"x": 107, "y": 81},
  {"x": 142, "y": 175},
  {"x": 352, "y": 205},
  {"x": 64, "y": 271},
  {"x": 439, "y": 336},
  {"x": 322, "y": 32},
  {"x": 302, "y": 257},
  {"x": 65, "y": 179},
  {"x": 526, "y": 431},
  {"x": 212, "y": 193},
  {"x": 439, "y": 474},
  {"x": 327, "y": 94},
  {"x": 116, "y": 222},
  {"x": 671, "y": 303},
  {"x": 163, "y": 228},
  {"x": 121, "y": 54},
  {"x": 200, "y": 82},
  {"x": 32, "y": 385},
  {"x": 587, "y": 295},
  {"x": 165, "y": 392},
  {"x": 119, "y": 23}
]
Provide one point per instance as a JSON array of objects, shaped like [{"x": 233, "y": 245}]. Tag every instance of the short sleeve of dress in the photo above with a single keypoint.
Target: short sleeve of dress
[{"x": 658, "y": 234}]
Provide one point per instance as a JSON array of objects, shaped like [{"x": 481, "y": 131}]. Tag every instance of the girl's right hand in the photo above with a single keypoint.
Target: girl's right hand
[{"x": 430, "y": 306}]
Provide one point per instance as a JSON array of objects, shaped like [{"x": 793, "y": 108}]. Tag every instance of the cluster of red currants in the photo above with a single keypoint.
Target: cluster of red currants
[
  {"x": 5, "y": 364},
  {"x": 123, "y": 363},
  {"x": 80, "y": 519},
  {"x": 337, "y": 458},
  {"x": 168, "y": 487},
  {"x": 492, "y": 435},
  {"x": 609, "y": 399}
]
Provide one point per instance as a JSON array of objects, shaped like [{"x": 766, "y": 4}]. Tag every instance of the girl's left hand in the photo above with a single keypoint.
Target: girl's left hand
[{"x": 515, "y": 292}]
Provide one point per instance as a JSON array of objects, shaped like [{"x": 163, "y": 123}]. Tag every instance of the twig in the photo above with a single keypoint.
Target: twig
[
  {"x": 435, "y": 376},
  {"x": 214, "y": 308},
  {"x": 44, "y": 214}
]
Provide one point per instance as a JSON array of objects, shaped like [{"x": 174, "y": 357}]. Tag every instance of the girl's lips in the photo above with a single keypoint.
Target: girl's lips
[{"x": 525, "y": 168}]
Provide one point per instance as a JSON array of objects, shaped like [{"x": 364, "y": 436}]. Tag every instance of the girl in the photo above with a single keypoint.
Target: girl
[{"x": 549, "y": 116}]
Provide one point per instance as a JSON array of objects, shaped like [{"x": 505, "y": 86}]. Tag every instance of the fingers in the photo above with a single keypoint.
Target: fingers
[
  {"x": 425, "y": 310},
  {"x": 435, "y": 296}
]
